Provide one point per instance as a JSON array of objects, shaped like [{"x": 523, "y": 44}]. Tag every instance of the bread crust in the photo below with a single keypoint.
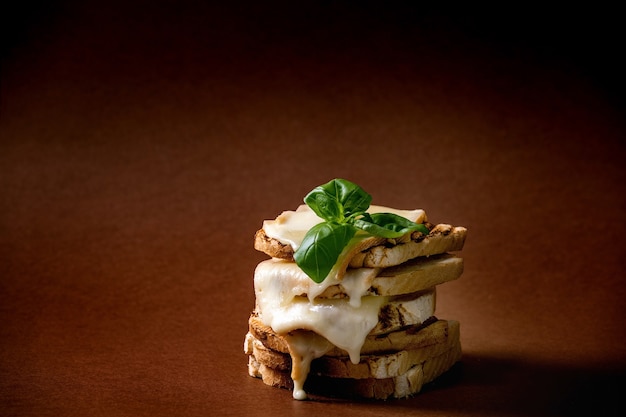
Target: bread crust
[
  {"x": 376, "y": 252},
  {"x": 373, "y": 365},
  {"x": 404, "y": 385},
  {"x": 272, "y": 247}
]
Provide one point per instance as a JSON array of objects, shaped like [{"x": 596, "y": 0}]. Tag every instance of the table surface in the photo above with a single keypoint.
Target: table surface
[{"x": 143, "y": 145}]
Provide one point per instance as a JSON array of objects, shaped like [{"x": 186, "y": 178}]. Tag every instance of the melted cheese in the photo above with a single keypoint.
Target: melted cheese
[
  {"x": 285, "y": 298},
  {"x": 345, "y": 323},
  {"x": 290, "y": 226},
  {"x": 303, "y": 348}
]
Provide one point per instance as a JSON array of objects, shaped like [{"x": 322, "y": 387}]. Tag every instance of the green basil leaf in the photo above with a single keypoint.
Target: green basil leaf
[
  {"x": 321, "y": 247},
  {"x": 388, "y": 225},
  {"x": 325, "y": 205},
  {"x": 352, "y": 197},
  {"x": 338, "y": 199},
  {"x": 343, "y": 205}
]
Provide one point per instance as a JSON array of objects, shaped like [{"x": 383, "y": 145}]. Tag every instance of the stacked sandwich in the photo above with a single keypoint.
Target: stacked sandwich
[{"x": 365, "y": 325}]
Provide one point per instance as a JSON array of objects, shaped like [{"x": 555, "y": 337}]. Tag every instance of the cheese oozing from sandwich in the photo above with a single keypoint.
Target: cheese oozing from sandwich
[{"x": 286, "y": 298}]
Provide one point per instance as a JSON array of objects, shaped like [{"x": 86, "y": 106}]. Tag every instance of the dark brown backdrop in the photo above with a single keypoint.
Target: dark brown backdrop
[{"x": 142, "y": 146}]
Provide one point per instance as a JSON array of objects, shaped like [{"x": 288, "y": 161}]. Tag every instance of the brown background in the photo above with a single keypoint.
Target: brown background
[{"x": 142, "y": 146}]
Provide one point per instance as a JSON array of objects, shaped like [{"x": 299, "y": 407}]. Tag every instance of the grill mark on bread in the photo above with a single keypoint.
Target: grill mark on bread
[
  {"x": 417, "y": 327},
  {"x": 384, "y": 316}
]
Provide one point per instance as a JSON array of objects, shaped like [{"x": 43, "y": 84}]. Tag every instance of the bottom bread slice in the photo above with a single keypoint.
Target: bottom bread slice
[
  {"x": 379, "y": 365},
  {"x": 404, "y": 385}
]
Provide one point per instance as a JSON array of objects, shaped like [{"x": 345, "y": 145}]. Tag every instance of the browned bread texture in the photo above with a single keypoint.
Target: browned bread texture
[
  {"x": 430, "y": 332},
  {"x": 379, "y": 365},
  {"x": 412, "y": 276},
  {"x": 375, "y": 252},
  {"x": 441, "y": 239},
  {"x": 403, "y": 385}
]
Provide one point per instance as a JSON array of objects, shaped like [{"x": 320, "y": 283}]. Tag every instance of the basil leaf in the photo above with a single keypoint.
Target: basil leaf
[
  {"x": 343, "y": 205},
  {"x": 352, "y": 197},
  {"x": 325, "y": 205},
  {"x": 321, "y": 247},
  {"x": 388, "y": 225},
  {"x": 338, "y": 199}
]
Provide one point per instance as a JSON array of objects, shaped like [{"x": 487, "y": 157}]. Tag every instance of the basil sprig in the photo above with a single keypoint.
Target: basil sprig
[{"x": 343, "y": 205}]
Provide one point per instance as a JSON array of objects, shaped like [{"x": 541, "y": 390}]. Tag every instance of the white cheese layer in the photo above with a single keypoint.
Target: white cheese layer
[
  {"x": 290, "y": 226},
  {"x": 279, "y": 288},
  {"x": 345, "y": 323}
]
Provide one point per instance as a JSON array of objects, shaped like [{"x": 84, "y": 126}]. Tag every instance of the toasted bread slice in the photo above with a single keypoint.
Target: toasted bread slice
[
  {"x": 431, "y": 332},
  {"x": 441, "y": 239},
  {"x": 401, "y": 386},
  {"x": 375, "y": 252},
  {"x": 412, "y": 276},
  {"x": 379, "y": 366}
]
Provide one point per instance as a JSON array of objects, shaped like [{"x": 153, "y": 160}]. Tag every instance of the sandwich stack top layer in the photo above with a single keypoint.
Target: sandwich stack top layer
[{"x": 281, "y": 237}]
